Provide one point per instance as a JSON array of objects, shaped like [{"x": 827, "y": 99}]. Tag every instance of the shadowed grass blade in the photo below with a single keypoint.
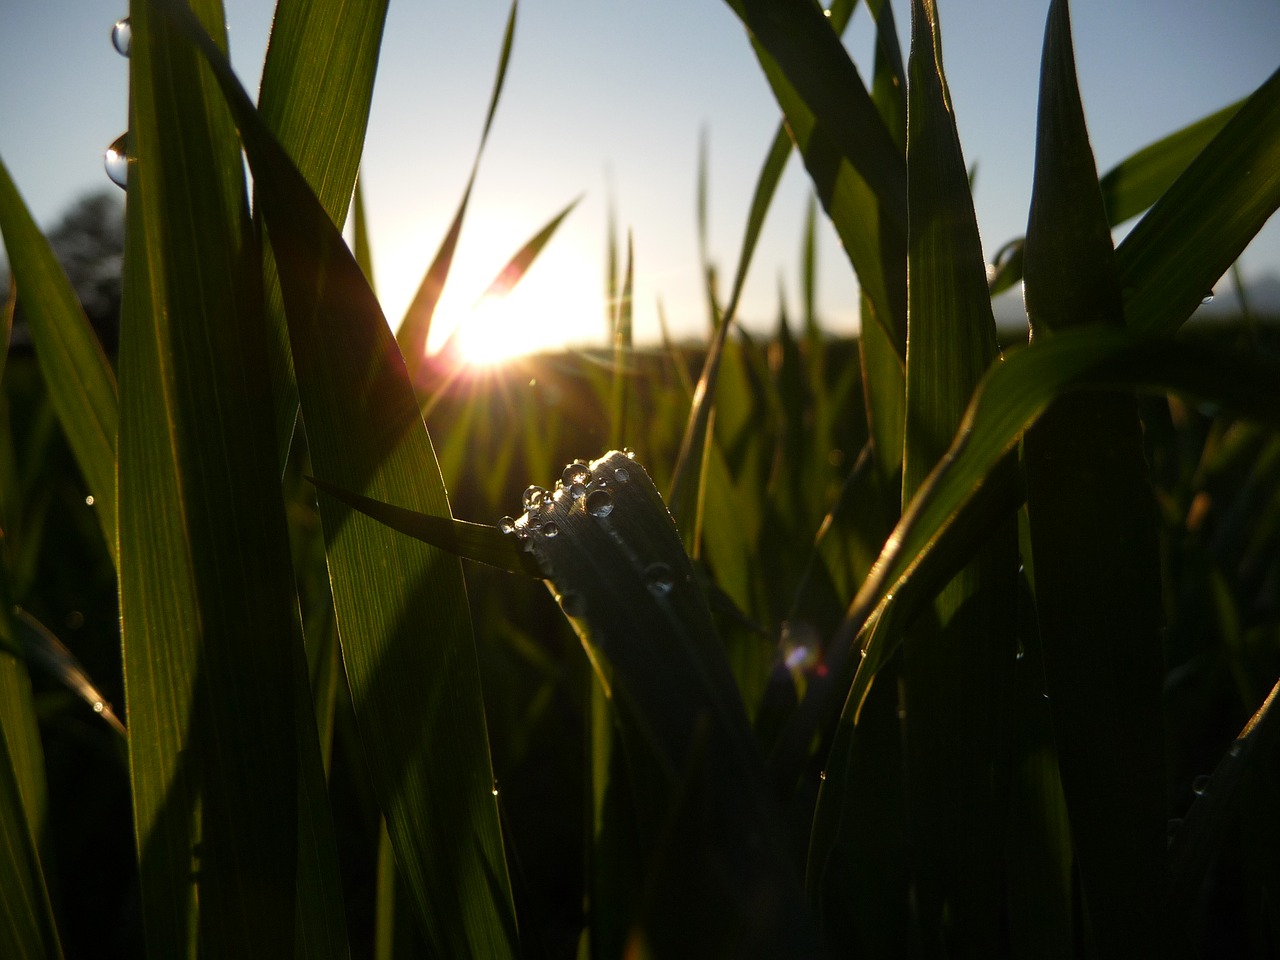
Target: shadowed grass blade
[
  {"x": 401, "y": 606},
  {"x": 79, "y": 378},
  {"x": 317, "y": 84},
  {"x": 207, "y": 600},
  {"x": 1092, "y": 519}
]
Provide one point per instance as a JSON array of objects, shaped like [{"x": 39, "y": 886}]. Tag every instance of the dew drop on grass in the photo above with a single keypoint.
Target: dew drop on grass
[
  {"x": 98, "y": 706},
  {"x": 822, "y": 775},
  {"x": 549, "y": 529},
  {"x": 577, "y": 491},
  {"x": 658, "y": 578},
  {"x": 599, "y": 503},
  {"x": 1237, "y": 746},
  {"x": 116, "y": 162},
  {"x": 575, "y": 473},
  {"x": 494, "y": 789},
  {"x": 621, "y": 475},
  {"x": 1207, "y": 298},
  {"x": 121, "y": 36},
  {"x": 628, "y": 453},
  {"x": 507, "y": 525},
  {"x": 89, "y": 501},
  {"x": 533, "y": 497},
  {"x": 1200, "y": 785}
]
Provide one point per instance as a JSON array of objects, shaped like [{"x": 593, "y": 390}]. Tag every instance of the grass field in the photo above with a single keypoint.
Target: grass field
[{"x": 924, "y": 644}]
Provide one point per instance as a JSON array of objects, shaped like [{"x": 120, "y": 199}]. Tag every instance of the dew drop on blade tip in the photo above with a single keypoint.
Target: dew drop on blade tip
[
  {"x": 122, "y": 36},
  {"x": 599, "y": 503},
  {"x": 116, "y": 162}
]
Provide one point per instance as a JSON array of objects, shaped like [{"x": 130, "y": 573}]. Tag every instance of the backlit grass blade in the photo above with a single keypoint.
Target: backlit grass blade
[
  {"x": 519, "y": 264},
  {"x": 956, "y": 667},
  {"x": 1170, "y": 261},
  {"x": 360, "y": 247},
  {"x": 43, "y": 649},
  {"x": 207, "y": 601},
  {"x": 798, "y": 38},
  {"x": 415, "y": 328},
  {"x": 622, "y": 352},
  {"x": 1092, "y": 521},
  {"x": 79, "y": 378},
  {"x": 317, "y": 84},
  {"x": 619, "y": 570},
  {"x": 401, "y": 606}
]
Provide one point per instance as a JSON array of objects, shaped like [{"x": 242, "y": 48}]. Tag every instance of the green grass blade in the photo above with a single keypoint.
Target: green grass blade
[
  {"x": 1139, "y": 180},
  {"x": 317, "y": 84},
  {"x": 618, "y": 426},
  {"x": 418, "y": 705},
  {"x": 207, "y": 601},
  {"x": 80, "y": 382},
  {"x": 1170, "y": 261},
  {"x": 1092, "y": 521},
  {"x": 360, "y": 247},
  {"x": 799, "y": 40},
  {"x": 415, "y": 328},
  {"x": 519, "y": 264},
  {"x": 41, "y": 647},
  {"x": 618, "y": 567},
  {"x": 957, "y": 662}
]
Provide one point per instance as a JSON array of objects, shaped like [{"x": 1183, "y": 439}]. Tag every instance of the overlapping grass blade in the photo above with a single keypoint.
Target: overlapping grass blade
[
  {"x": 619, "y": 570},
  {"x": 956, "y": 668},
  {"x": 415, "y": 328},
  {"x": 418, "y": 704},
  {"x": 79, "y": 378},
  {"x": 1170, "y": 261},
  {"x": 1092, "y": 520},
  {"x": 207, "y": 604},
  {"x": 317, "y": 84}
]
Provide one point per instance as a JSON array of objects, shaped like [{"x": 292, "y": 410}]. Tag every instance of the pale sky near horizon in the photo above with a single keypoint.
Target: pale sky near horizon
[{"x": 610, "y": 99}]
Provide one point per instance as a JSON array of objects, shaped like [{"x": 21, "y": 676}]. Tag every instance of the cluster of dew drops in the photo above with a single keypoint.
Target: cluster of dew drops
[
  {"x": 116, "y": 157},
  {"x": 579, "y": 481}
]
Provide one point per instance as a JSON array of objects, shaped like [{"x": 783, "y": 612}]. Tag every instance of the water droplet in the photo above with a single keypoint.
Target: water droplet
[
  {"x": 549, "y": 529},
  {"x": 575, "y": 473},
  {"x": 1019, "y": 652},
  {"x": 599, "y": 503},
  {"x": 507, "y": 525},
  {"x": 88, "y": 501},
  {"x": 121, "y": 35},
  {"x": 822, "y": 775},
  {"x": 116, "y": 161},
  {"x": 1207, "y": 298},
  {"x": 494, "y": 789},
  {"x": 572, "y": 604},
  {"x": 532, "y": 496},
  {"x": 98, "y": 706},
  {"x": 1200, "y": 785},
  {"x": 621, "y": 475},
  {"x": 1236, "y": 748},
  {"x": 628, "y": 453},
  {"x": 658, "y": 578},
  {"x": 577, "y": 491}
]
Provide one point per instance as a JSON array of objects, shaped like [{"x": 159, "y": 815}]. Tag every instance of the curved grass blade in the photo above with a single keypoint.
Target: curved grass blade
[
  {"x": 471, "y": 541},
  {"x": 1092, "y": 520},
  {"x": 81, "y": 385},
  {"x": 519, "y": 264},
  {"x": 41, "y": 647},
  {"x": 617, "y": 565},
  {"x": 418, "y": 705},
  {"x": 415, "y": 327},
  {"x": 1170, "y": 261},
  {"x": 317, "y": 85},
  {"x": 207, "y": 599}
]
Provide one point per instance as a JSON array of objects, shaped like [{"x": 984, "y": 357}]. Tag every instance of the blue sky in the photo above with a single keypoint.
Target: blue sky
[{"x": 610, "y": 99}]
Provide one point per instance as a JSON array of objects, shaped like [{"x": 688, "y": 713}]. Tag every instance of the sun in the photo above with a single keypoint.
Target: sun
[{"x": 499, "y": 329}]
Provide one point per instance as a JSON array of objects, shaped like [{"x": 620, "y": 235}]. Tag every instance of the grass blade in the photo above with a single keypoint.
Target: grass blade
[
  {"x": 957, "y": 661},
  {"x": 1093, "y": 534},
  {"x": 79, "y": 378},
  {"x": 317, "y": 84},
  {"x": 206, "y": 593},
  {"x": 415, "y": 328},
  {"x": 418, "y": 706},
  {"x": 1170, "y": 261}
]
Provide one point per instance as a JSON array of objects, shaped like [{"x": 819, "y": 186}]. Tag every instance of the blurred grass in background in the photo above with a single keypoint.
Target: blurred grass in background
[{"x": 1058, "y": 562}]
